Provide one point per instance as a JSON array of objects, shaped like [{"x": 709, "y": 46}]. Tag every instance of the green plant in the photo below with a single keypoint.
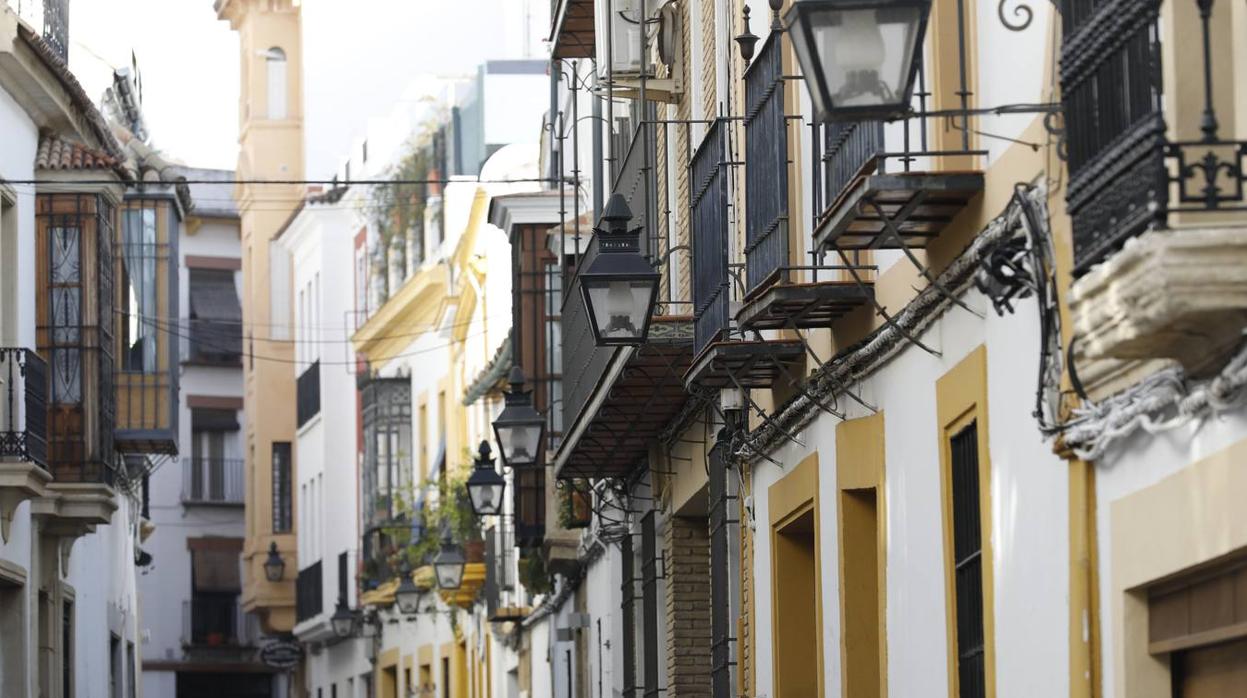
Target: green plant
[
  {"x": 574, "y": 507},
  {"x": 533, "y": 574},
  {"x": 445, "y": 507}
]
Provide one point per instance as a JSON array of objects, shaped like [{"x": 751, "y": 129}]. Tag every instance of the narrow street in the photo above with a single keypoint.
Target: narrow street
[{"x": 623, "y": 349}]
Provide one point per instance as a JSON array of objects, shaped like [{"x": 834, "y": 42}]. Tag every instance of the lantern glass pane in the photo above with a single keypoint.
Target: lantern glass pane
[
  {"x": 867, "y": 54},
  {"x": 620, "y": 307},
  {"x": 486, "y": 498},
  {"x": 343, "y": 625},
  {"x": 519, "y": 443},
  {"x": 449, "y": 574}
]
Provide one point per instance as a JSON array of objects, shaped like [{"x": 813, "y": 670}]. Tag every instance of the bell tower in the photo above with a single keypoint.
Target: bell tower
[{"x": 270, "y": 140}]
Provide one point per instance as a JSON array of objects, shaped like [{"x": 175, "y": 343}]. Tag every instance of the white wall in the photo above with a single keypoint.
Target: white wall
[{"x": 1029, "y": 519}]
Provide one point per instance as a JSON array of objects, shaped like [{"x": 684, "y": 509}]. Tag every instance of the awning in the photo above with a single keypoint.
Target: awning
[
  {"x": 215, "y": 298},
  {"x": 215, "y": 564},
  {"x": 205, "y": 419}
]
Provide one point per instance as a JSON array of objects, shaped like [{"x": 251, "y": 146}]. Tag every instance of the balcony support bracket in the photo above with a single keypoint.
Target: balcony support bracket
[{"x": 18, "y": 482}]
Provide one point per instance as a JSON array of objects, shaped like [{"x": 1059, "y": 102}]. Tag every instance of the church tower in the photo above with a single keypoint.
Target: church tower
[{"x": 270, "y": 113}]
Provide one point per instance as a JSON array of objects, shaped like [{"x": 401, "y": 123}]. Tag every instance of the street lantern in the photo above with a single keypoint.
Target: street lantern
[
  {"x": 274, "y": 566},
  {"x": 859, "y": 57},
  {"x": 519, "y": 427},
  {"x": 448, "y": 565},
  {"x": 407, "y": 596},
  {"x": 620, "y": 287},
  {"x": 485, "y": 486},
  {"x": 342, "y": 620}
]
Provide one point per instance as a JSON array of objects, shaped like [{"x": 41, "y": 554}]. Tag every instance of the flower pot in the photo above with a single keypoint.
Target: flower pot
[{"x": 474, "y": 550}]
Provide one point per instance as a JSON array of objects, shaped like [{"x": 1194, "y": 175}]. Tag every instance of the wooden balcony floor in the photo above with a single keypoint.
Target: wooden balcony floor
[
  {"x": 573, "y": 30},
  {"x": 754, "y": 364},
  {"x": 920, "y": 205},
  {"x": 785, "y": 305}
]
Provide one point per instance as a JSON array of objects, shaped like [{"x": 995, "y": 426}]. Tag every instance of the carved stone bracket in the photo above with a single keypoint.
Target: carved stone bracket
[
  {"x": 19, "y": 481},
  {"x": 1168, "y": 294}
]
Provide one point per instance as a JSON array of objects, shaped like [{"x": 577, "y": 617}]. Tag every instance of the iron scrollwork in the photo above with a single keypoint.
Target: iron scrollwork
[{"x": 1022, "y": 10}]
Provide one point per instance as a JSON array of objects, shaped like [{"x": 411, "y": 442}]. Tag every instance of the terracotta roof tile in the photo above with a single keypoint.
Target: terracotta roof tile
[{"x": 56, "y": 153}]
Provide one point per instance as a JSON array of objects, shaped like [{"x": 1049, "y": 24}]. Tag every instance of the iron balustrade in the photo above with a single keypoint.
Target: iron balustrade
[
  {"x": 708, "y": 204},
  {"x": 387, "y": 418},
  {"x": 849, "y": 149},
  {"x": 23, "y": 406},
  {"x": 50, "y": 19},
  {"x": 213, "y": 481},
  {"x": 308, "y": 592},
  {"x": 217, "y": 620},
  {"x": 766, "y": 172},
  {"x": 307, "y": 398},
  {"x": 1126, "y": 176},
  {"x": 583, "y": 361}
]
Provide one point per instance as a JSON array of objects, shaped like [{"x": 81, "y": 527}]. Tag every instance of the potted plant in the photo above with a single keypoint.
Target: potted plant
[{"x": 575, "y": 510}]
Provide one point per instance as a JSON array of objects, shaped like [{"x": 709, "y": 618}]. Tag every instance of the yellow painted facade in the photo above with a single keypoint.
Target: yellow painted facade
[{"x": 270, "y": 42}]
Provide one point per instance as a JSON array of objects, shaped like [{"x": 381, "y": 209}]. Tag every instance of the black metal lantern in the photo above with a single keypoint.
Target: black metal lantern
[
  {"x": 342, "y": 620},
  {"x": 485, "y": 486},
  {"x": 620, "y": 287},
  {"x": 448, "y": 565},
  {"x": 520, "y": 427},
  {"x": 407, "y": 596},
  {"x": 859, "y": 57},
  {"x": 274, "y": 566}
]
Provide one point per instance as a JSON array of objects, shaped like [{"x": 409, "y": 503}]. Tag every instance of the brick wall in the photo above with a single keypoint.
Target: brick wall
[{"x": 686, "y": 542}]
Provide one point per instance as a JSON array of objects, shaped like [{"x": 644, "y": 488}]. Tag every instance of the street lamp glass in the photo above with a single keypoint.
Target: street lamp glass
[
  {"x": 448, "y": 567},
  {"x": 342, "y": 620},
  {"x": 858, "y": 57},
  {"x": 620, "y": 307},
  {"x": 274, "y": 566},
  {"x": 485, "y": 486},
  {"x": 519, "y": 427},
  {"x": 407, "y": 596}
]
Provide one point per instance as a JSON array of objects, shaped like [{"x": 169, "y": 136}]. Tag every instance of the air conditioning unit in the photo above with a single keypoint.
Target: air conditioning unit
[{"x": 663, "y": 64}]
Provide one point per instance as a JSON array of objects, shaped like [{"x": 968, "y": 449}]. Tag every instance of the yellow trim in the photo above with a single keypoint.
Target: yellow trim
[
  {"x": 860, "y": 465},
  {"x": 961, "y": 398},
  {"x": 789, "y": 498},
  {"x": 414, "y": 308},
  {"x": 945, "y": 71}
]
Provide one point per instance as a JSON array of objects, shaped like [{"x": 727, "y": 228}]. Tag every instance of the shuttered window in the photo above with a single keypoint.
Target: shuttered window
[{"x": 968, "y": 562}]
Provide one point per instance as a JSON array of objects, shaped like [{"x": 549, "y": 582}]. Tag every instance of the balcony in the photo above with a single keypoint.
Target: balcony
[
  {"x": 23, "y": 406},
  {"x": 720, "y": 360},
  {"x": 213, "y": 481},
  {"x": 572, "y": 26},
  {"x": 307, "y": 394},
  {"x": 1158, "y": 182},
  {"x": 308, "y": 592},
  {"x": 872, "y": 207},
  {"x": 145, "y": 285},
  {"x": 49, "y": 18},
  {"x": 217, "y": 621},
  {"x": 618, "y": 400}
]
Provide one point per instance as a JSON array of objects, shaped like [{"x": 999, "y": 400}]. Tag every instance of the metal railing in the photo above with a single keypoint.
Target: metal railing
[
  {"x": 23, "y": 406},
  {"x": 583, "y": 361},
  {"x": 217, "y": 621},
  {"x": 708, "y": 204},
  {"x": 849, "y": 148},
  {"x": 307, "y": 389},
  {"x": 213, "y": 481},
  {"x": 308, "y": 592},
  {"x": 766, "y": 174},
  {"x": 49, "y": 19}
]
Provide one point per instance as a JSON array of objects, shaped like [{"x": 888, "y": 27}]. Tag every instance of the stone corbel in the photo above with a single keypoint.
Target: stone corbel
[
  {"x": 19, "y": 481},
  {"x": 1178, "y": 294}
]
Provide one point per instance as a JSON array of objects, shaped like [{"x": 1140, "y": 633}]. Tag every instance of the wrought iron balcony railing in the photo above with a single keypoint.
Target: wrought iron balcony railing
[
  {"x": 308, "y": 592},
  {"x": 213, "y": 481},
  {"x": 1131, "y": 164},
  {"x": 217, "y": 621},
  {"x": 307, "y": 398},
  {"x": 23, "y": 406},
  {"x": 49, "y": 18},
  {"x": 708, "y": 201},
  {"x": 766, "y": 177}
]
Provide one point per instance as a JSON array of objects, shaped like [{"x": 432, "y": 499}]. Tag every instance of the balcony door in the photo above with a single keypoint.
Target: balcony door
[{"x": 214, "y": 458}]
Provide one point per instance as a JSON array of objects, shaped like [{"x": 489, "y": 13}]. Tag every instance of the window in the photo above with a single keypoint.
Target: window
[
  {"x": 114, "y": 666},
  {"x": 281, "y": 487},
  {"x": 132, "y": 690},
  {"x": 8, "y": 259},
  {"x": 275, "y": 64},
  {"x": 13, "y": 638},
  {"x": 67, "y": 645},
  {"x": 649, "y": 605},
  {"x": 215, "y": 473},
  {"x": 140, "y": 252},
  {"x": 445, "y": 677},
  {"x": 215, "y": 584},
  {"x": 215, "y": 318},
  {"x": 968, "y": 563},
  {"x": 796, "y": 638},
  {"x": 65, "y": 286}
]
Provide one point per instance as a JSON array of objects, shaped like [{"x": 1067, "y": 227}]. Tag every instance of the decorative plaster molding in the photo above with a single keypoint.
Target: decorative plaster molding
[{"x": 1168, "y": 294}]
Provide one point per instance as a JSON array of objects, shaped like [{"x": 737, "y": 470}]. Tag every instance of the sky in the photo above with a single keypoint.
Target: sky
[{"x": 358, "y": 56}]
